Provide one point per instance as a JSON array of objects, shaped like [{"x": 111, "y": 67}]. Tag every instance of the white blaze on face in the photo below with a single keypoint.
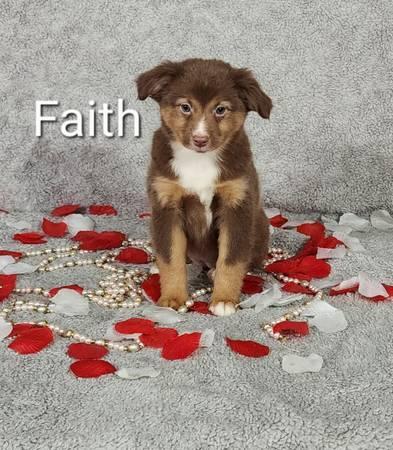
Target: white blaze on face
[
  {"x": 197, "y": 172},
  {"x": 200, "y": 129}
]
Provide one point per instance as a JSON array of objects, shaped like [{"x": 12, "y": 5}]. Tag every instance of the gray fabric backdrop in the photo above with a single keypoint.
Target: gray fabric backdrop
[{"x": 326, "y": 65}]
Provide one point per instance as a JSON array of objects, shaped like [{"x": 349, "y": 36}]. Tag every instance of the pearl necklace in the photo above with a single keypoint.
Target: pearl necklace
[{"x": 121, "y": 290}]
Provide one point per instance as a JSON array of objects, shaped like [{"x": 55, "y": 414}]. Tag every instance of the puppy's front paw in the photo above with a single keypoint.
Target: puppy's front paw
[
  {"x": 222, "y": 308},
  {"x": 171, "y": 301}
]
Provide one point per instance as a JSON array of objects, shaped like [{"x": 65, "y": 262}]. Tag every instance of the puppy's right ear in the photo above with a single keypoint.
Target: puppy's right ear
[{"x": 153, "y": 82}]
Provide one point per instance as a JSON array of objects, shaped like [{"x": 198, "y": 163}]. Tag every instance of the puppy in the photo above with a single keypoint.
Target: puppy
[{"x": 202, "y": 183}]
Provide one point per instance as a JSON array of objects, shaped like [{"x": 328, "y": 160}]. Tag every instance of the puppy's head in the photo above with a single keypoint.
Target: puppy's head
[{"x": 203, "y": 103}]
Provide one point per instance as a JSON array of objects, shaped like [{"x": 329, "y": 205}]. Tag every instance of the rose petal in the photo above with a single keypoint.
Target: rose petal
[
  {"x": 70, "y": 303},
  {"x": 82, "y": 350},
  {"x": 297, "y": 289},
  {"x": 325, "y": 317},
  {"x": 100, "y": 210},
  {"x": 252, "y": 284},
  {"x": 64, "y": 210},
  {"x": 135, "y": 325},
  {"x": 165, "y": 316},
  {"x": 5, "y": 328},
  {"x": 133, "y": 255},
  {"x": 151, "y": 289},
  {"x": 278, "y": 221},
  {"x": 353, "y": 243},
  {"x": 333, "y": 280},
  {"x": 369, "y": 287},
  {"x": 32, "y": 341},
  {"x": 5, "y": 261},
  {"x": 75, "y": 287},
  {"x": 20, "y": 328},
  {"x": 159, "y": 337},
  {"x": 181, "y": 347},
  {"x": 250, "y": 349},
  {"x": 201, "y": 308},
  {"x": 133, "y": 373},
  {"x": 355, "y": 222},
  {"x": 19, "y": 268},
  {"x": 207, "y": 338},
  {"x": 92, "y": 368},
  {"x": 299, "y": 364},
  {"x": 78, "y": 222},
  {"x": 106, "y": 240},
  {"x": 54, "y": 229},
  {"x": 315, "y": 230},
  {"x": 289, "y": 327},
  {"x": 381, "y": 220},
  {"x": 7, "y": 285},
  {"x": 271, "y": 212},
  {"x": 327, "y": 253},
  {"x": 15, "y": 255},
  {"x": 29, "y": 238},
  {"x": 263, "y": 300}
]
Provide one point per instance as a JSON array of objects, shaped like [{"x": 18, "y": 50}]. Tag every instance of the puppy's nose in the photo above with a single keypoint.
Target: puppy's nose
[{"x": 200, "y": 140}]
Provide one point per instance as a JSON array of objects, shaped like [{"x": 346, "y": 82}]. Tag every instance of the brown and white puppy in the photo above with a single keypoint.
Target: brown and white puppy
[{"x": 202, "y": 183}]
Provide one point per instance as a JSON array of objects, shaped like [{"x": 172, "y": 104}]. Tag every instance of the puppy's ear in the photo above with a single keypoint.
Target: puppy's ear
[
  {"x": 153, "y": 82},
  {"x": 251, "y": 94}
]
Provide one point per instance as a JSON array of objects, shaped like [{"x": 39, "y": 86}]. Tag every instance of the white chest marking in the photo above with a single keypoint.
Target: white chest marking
[{"x": 198, "y": 174}]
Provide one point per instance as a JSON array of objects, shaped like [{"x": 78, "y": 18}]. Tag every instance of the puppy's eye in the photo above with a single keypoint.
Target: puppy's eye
[
  {"x": 185, "y": 108},
  {"x": 220, "y": 111}
]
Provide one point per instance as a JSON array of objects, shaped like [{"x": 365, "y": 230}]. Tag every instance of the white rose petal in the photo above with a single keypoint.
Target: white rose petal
[
  {"x": 299, "y": 364},
  {"x": 355, "y": 222},
  {"x": 134, "y": 373},
  {"x": 381, "y": 220},
  {"x": 78, "y": 222}
]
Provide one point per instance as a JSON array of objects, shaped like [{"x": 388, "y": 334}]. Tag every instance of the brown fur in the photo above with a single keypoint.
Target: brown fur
[{"x": 238, "y": 237}]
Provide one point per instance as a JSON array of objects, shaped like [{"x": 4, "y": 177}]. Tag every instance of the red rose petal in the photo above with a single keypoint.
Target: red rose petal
[
  {"x": 4, "y": 211},
  {"x": 32, "y": 341},
  {"x": 100, "y": 210},
  {"x": 307, "y": 265},
  {"x": 65, "y": 210},
  {"x": 159, "y": 337},
  {"x": 380, "y": 298},
  {"x": 296, "y": 288},
  {"x": 181, "y": 347},
  {"x": 75, "y": 287},
  {"x": 289, "y": 327},
  {"x": 309, "y": 248},
  {"x": 92, "y": 368},
  {"x": 334, "y": 292},
  {"x": 91, "y": 240},
  {"x": 151, "y": 288},
  {"x": 278, "y": 221},
  {"x": 54, "y": 229},
  {"x": 133, "y": 255},
  {"x": 7, "y": 285},
  {"x": 201, "y": 308},
  {"x": 20, "y": 328},
  {"x": 144, "y": 214},
  {"x": 81, "y": 350},
  {"x": 329, "y": 242},
  {"x": 29, "y": 238},
  {"x": 15, "y": 255},
  {"x": 315, "y": 230},
  {"x": 251, "y": 349},
  {"x": 252, "y": 284},
  {"x": 83, "y": 236},
  {"x": 135, "y": 325}
]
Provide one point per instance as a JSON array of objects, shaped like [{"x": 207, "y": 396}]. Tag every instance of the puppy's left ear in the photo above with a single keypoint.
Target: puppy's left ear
[
  {"x": 153, "y": 82},
  {"x": 251, "y": 94}
]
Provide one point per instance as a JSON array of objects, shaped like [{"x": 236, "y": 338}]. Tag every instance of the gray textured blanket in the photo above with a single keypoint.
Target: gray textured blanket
[{"x": 215, "y": 399}]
